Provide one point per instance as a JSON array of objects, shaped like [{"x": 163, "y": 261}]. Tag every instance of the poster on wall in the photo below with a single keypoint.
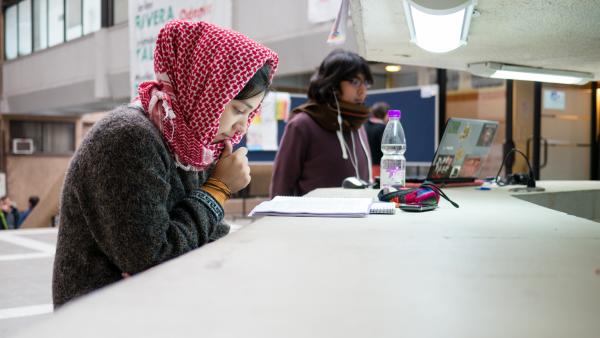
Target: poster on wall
[
  {"x": 262, "y": 134},
  {"x": 147, "y": 17},
  {"x": 554, "y": 99},
  {"x": 323, "y": 10}
]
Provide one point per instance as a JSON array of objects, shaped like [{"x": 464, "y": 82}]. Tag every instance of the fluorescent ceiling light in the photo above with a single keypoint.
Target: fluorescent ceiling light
[
  {"x": 439, "y": 26},
  {"x": 515, "y": 72},
  {"x": 392, "y": 68}
]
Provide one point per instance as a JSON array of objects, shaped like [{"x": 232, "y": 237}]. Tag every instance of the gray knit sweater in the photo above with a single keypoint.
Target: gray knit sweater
[{"x": 125, "y": 207}]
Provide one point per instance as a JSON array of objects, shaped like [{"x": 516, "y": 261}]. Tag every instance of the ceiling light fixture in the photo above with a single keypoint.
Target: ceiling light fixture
[
  {"x": 525, "y": 73},
  {"x": 392, "y": 68},
  {"x": 439, "y": 26}
]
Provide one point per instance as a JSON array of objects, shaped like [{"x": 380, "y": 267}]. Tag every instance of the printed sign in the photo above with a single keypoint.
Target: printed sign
[{"x": 147, "y": 17}]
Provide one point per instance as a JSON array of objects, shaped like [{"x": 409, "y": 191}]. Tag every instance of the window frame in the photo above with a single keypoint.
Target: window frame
[
  {"x": 33, "y": 26},
  {"x": 65, "y": 16},
  {"x": 4, "y": 10},
  {"x": 19, "y": 28}
]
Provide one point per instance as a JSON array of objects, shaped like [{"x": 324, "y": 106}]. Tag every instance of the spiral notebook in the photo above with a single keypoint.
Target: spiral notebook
[
  {"x": 384, "y": 208},
  {"x": 321, "y": 207}
]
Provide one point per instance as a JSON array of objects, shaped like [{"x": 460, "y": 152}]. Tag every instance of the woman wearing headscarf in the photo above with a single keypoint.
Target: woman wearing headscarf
[
  {"x": 149, "y": 181},
  {"x": 325, "y": 141}
]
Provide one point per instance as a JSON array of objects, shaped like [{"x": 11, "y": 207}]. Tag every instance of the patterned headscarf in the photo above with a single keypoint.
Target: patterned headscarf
[{"x": 199, "y": 68}]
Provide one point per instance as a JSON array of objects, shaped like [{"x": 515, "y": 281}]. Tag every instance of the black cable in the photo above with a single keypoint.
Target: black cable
[
  {"x": 437, "y": 189},
  {"x": 530, "y": 181}
]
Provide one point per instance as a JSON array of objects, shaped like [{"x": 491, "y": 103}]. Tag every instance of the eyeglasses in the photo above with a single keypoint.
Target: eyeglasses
[{"x": 356, "y": 83}]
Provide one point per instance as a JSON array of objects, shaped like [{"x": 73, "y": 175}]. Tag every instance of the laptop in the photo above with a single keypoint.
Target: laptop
[{"x": 461, "y": 153}]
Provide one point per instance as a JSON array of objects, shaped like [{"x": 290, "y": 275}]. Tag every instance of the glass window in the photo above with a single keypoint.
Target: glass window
[
  {"x": 25, "y": 27},
  {"x": 48, "y": 137},
  {"x": 74, "y": 26},
  {"x": 92, "y": 15},
  {"x": 59, "y": 137},
  {"x": 10, "y": 35},
  {"x": 40, "y": 27},
  {"x": 120, "y": 11},
  {"x": 56, "y": 32},
  {"x": 32, "y": 130},
  {"x": 565, "y": 131}
]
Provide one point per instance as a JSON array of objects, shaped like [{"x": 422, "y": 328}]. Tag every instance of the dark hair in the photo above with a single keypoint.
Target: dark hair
[
  {"x": 258, "y": 83},
  {"x": 33, "y": 200},
  {"x": 338, "y": 66},
  {"x": 379, "y": 109}
]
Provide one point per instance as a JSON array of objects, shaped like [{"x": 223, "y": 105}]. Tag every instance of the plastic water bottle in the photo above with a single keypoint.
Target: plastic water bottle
[{"x": 393, "y": 146}]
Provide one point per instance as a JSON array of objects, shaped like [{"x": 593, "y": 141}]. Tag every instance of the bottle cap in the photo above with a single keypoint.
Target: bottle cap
[{"x": 394, "y": 113}]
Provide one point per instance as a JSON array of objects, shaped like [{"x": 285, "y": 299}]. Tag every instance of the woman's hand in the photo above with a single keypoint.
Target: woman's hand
[{"x": 232, "y": 168}]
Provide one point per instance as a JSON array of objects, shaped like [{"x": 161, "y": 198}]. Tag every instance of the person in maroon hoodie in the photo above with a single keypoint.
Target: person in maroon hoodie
[{"x": 325, "y": 141}]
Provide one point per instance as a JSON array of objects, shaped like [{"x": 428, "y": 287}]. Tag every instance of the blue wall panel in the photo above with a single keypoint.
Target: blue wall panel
[{"x": 419, "y": 116}]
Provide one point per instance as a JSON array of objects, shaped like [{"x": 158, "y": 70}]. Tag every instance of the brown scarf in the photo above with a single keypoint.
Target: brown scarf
[{"x": 353, "y": 115}]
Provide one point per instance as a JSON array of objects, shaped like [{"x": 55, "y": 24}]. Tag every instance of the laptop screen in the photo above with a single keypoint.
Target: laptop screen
[{"x": 463, "y": 149}]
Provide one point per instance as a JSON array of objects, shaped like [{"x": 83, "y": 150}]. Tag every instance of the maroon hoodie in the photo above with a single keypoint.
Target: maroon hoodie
[{"x": 310, "y": 157}]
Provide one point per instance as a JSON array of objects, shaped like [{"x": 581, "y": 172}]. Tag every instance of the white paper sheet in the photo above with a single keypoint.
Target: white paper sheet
[{"x": 313, "y": 207}]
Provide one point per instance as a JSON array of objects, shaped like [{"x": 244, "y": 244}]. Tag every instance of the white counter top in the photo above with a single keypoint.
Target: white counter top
[{"x": 496, "y": 267}]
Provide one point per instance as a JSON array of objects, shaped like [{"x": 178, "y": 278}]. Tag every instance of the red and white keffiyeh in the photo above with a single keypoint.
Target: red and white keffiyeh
[{"x": 199, "y": 68}]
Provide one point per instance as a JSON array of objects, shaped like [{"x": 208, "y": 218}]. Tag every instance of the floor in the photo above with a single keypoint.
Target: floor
[{"x": 26, "y": 258}]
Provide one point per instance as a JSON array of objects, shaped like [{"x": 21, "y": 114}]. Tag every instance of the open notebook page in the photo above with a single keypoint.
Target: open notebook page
[{"x": 313, "y": 206}]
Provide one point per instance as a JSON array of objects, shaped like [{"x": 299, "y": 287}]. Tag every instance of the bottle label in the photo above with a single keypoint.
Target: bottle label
[{"x": 393, "y": 176}]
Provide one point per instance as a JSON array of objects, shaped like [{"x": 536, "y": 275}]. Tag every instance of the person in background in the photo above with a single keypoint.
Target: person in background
[
  {"x": 3, "y": 223},
  {"x": 10, "y": 213},
  {"x": 33, "y": 201},
  {"x": 375, "y": 127},
  {"x": 324, "y": 142},
  {"x": 149, "y": 181}
]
